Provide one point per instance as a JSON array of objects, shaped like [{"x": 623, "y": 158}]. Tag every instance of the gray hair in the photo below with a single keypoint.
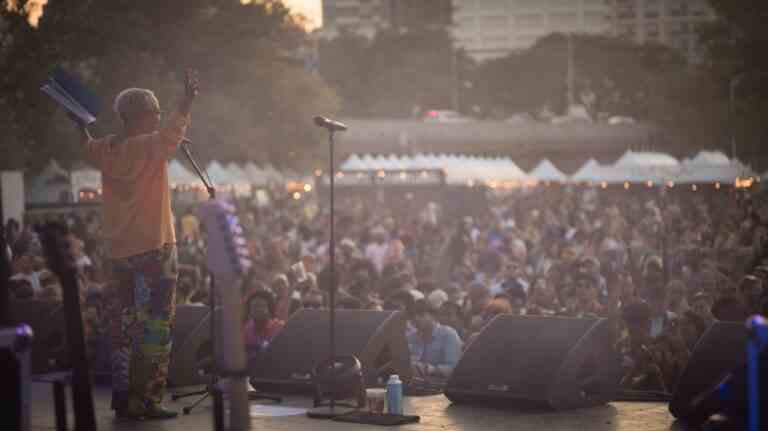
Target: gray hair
[{"x": 134, "y": 100}]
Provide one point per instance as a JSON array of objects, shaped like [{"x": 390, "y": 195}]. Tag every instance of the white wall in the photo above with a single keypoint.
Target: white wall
[{"x": 12, "y": 188}]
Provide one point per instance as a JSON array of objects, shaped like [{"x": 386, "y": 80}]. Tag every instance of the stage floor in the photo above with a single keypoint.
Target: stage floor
[{"x": 436, "y": 413}]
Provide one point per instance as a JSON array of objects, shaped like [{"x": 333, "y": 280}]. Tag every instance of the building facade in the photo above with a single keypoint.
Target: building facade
[
  {"x": 366, "y": 17},
  {"x": 670, "y": 22},
  {"x": 363, "y": 17},
  {"x": 494, "y": 28}
]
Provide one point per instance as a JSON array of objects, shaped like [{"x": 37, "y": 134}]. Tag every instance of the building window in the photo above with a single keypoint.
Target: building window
[
  {"x": 526, "y": 40},
  {"x": 652, "y": 30},
  {"x": 563, "y": 21},
  {"x": 494, "y": 4},
  {"x": 346, "y": 11},
  {"x": 529, "y": 22},
  {"x": 699, "y": 8},
  {"x": 527, "y": 4},
  {"x": 595, "y": 19},
  {"x": 652, "y": 9},
  {"x": 677, "y": 8},
  {"x": 465, "y": 21},
  {"x": 563, "y": 4},
  {"x": 625, "y": 11},
  {"x": 494, "y": 21},
  {"x": 678, "y": 28},
  {"x": 594, "y": 4},
  {"x": 627, "y": 30},
  {"x": 496, "y": 41}
]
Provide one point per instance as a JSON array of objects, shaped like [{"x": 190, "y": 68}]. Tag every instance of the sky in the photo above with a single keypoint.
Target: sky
[{"x": 312, "y": 9}]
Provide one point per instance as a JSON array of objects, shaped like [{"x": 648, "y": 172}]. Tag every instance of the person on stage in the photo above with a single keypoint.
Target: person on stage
[{"x": 139, "y": 230}]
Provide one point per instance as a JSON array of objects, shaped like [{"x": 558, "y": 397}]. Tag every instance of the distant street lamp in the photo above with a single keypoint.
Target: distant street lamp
[{"x": 733, "y": 86}]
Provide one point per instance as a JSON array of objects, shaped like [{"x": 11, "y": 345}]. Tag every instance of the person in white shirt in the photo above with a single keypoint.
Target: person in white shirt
[{"x": 378, "y": 250}]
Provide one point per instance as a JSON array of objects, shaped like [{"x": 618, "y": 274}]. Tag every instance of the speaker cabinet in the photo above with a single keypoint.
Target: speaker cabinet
[
  {"x": 191, "y": 335},
  {"x": 49, "y": 346},
  {"x": 376, "y": 338},
  {"x": 538, "y": 362},
  {"x": 722, "y": 348}
]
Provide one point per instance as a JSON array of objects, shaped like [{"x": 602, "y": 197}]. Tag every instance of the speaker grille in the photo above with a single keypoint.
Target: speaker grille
[
  {"x": 517, "y": 356},
  {"x": 371, "y": 336}
]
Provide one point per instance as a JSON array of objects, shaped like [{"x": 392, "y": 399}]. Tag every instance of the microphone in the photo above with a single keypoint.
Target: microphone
[{"x": 331, "y": 125}]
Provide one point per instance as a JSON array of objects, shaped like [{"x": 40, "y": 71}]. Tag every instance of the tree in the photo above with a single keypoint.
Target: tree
[
  {"x": 612, "y": 77},
  {"x": 734, "y": 46},
  {"x": 241, "y": 49},
  {"x": 394, "y": 73}
]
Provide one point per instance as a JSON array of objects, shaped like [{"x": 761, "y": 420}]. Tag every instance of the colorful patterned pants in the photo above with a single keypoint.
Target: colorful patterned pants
[{"x": 143, "y": 311}]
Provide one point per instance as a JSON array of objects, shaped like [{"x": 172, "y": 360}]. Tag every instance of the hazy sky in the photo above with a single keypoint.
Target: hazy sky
[{"x": 312, "y": 9}]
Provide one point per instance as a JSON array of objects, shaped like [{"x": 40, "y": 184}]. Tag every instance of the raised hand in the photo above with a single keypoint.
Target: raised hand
[
  {"x": 191, "y": 84},
  {"x": 191, "y": 90}
]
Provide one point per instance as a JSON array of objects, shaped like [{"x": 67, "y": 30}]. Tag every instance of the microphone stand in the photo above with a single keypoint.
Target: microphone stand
[
  {"x": 203, "y": 177},
  {"x": 332, "y": 410},
  {"x": 212, "y": 389}
]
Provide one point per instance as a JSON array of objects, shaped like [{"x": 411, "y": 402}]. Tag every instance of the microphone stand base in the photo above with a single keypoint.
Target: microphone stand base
[{"x": 329, "y": 412}]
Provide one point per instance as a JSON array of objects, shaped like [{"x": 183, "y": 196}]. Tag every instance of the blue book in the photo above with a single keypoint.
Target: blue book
[{"x": 70, "y": 93}]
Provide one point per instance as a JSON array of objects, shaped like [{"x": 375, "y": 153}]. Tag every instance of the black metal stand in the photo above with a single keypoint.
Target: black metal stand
[{"x": 333, "y": 409}]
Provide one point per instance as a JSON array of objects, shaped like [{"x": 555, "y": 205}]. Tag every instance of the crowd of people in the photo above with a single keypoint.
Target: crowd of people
[{"x": 663, "y": 264}]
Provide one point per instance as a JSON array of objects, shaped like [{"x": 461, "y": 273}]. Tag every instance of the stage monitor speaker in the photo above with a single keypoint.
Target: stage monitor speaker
[
  {"x": 376, "y": 338},
  {"x": 191, "y": 335},
  {"x": 722, "y": 348},
  {"x": 531, "y": 362},
  {"x": 49, "y": 345}
]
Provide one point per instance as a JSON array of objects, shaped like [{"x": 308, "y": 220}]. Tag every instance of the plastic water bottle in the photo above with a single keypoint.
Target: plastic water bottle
[{"x": 394, "y": 395}]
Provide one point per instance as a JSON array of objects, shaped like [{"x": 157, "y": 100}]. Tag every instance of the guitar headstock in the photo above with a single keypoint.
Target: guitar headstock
[
  {"x": 228, "y": 255},
  {"x": 55, "y": 238}
]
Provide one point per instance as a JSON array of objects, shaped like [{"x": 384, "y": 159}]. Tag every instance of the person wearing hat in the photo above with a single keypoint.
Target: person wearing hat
[
  {"x": 139, "y": 229},
  {"x": 435, "y": 348}
]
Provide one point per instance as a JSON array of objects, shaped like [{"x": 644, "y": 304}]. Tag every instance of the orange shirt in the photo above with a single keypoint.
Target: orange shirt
[{"x": 136, "y": 196}]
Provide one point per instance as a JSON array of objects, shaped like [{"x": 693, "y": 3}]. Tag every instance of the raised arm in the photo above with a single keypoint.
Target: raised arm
[
  {"x": 91, "y": 147},
  {"x": 176, "y": 127}
]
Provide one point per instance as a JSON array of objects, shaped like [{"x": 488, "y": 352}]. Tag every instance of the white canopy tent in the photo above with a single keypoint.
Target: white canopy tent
[
  {"x": 51, "y": 185},
  {"x": 642, "y": 167},
  {"x": 85, "y": 178},
  {"x": 459, "y": 169},
  {"x": 712, "y": 167},
  {"x": 238, "y": 175},
  {"x": 179, "y": 175},
  {"x": 255, "y": 174},
  {"x": 353, "y": 163},
  {"x": 220, "y": 175},
  {"x": 547, "y": 171},
  {"x": 272, "y": 173},
  {"x": 591, "y": 170}
]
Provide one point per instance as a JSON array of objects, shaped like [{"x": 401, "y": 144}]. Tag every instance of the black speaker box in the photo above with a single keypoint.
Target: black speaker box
[
  {"x": 722, "y": 348},
  {"x": 191, "y": 335},
  {"x": 376, "y": 338},
  {"x": 49, "y": 346},
  {"x": 531, "y": 362}
]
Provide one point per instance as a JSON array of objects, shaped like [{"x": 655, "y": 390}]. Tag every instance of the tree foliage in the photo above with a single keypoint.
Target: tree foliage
[
  {"x": 612, "y": 77},
  {"x": 242, "y": 50},
  {"x": 735, "y": 45},
  {"x": 395, "y": 73}
]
